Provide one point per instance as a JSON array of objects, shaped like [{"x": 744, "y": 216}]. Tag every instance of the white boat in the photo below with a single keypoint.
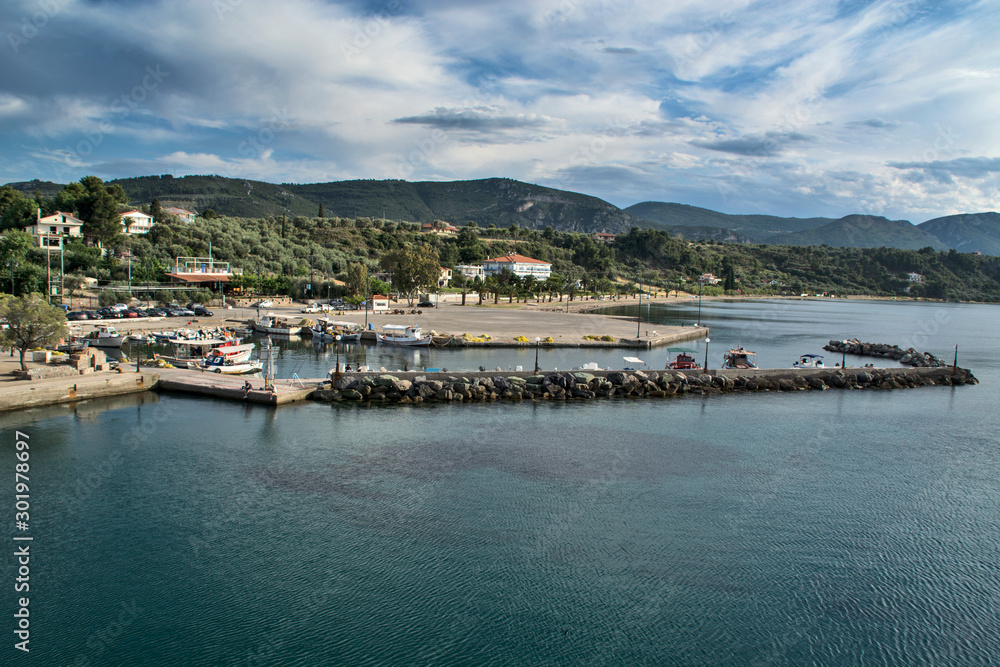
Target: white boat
[
  {"x": 402, "y": 334},
  {"x": 228, "y": 367},
  {"x": 190, "y": 353},
  {"x": 106, "y": 336},
  {"x": 276, "y": 326},
  {"x": 809, "y": 361},
  {"x": 739, "y": 358},
  {"x": 327, "y": 330}
]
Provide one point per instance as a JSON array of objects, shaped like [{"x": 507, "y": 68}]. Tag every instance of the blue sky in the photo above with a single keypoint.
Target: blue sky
[{"x": 796, "y": 108}]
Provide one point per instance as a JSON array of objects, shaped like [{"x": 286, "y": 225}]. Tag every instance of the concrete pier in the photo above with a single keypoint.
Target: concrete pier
[{"x": 23, "y": 394}]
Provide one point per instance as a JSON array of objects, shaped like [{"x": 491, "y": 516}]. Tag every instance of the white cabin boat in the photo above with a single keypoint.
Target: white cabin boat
[
  {"x": 809, "y": 361},
  {"x": 189, "y": 353},
  {"x": 739, "y": 358},
  {"x": 229, "y": 367},
  {"x": 276, "y": 326},
  {"x": 106, "y": 336},
  {"x": 402, "y": 334}
]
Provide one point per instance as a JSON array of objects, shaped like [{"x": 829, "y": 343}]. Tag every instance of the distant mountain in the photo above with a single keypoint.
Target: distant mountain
[
  {"x": 45, "y": 188},
  {"x": 754, "y": 227},
  {"x": 863, "y": 231},
  {"x": 700, "y": 233},
  {"x": 968, "y": 232},
  {"x": 497, "y": 201}
]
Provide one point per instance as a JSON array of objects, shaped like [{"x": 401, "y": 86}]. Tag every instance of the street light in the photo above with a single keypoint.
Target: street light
[
  {"x": 336, "y": 373},
  {"x": 707, "y": 341},
  {"x": 537, "y": 344}
]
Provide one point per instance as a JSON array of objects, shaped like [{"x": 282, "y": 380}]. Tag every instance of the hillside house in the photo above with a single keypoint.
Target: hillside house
[
  {"x": 49, "y": 232},
  {"x": 709, "y": 279},
  {"x": 183, "y": 214},
  {"x": 444, "y": 276},
  {"x": 471, "y": 271},
  {"x": 915, "y": 278},
  {"x": 602, "y": 237},
  {"x": 136, "y": 222}
]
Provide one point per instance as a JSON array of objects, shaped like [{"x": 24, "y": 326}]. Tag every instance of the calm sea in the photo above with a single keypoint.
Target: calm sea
[{"x": 837, "y": 527}]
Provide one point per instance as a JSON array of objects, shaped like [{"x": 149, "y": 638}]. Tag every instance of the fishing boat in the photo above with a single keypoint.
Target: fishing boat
[
  {"x": 105, "y": 336},
  {"x": 229, "y": 367},
  {"x": 402, "y": 334},
  {"x": 739, "y": 358},
  {"x": 190, "y": 353},
  {"x": 809, "y": 361},
  {"x": 327, "y": 330},
  {"x": 276, "y": 326},
  {"x": 684, "y": 360}
]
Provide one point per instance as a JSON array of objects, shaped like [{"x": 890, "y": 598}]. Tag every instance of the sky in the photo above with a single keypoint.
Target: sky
[{"x": 800, "y": 108}]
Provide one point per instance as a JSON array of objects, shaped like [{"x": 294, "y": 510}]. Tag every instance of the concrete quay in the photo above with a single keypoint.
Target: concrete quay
[{"x": 18, "y": 395}]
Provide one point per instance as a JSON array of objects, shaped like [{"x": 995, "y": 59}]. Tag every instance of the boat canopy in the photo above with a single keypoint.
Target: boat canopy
[
  {"x": 200, "y": 342},
  {"x": 634, "y": 360},
  {"x": 813, "y": 356},
  {"x": 682, "y": 350},
  {"x": 335, "y": 323},
  {"x": 397, "y": 327}
]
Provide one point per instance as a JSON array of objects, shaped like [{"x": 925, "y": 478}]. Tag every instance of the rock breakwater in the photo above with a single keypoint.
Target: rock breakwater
[
  {"x": 909, "y": 357},
  {"x": 410, "y": 388}
]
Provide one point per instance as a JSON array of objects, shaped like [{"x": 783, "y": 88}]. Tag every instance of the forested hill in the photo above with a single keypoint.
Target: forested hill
[
  {"x": 970, "y": 232},
  {"x": 493, "y": 201},
  {"x": 677, "y": 217}
]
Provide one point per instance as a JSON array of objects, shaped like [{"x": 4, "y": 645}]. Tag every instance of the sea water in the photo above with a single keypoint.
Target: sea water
[{"x": 837, "y": 527}]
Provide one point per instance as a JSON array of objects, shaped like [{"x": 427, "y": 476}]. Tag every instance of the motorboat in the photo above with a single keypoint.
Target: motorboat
[
  {"x": 739, "y": 358},
  {"x": 327, "y": 330},
  {"x": 228, "y": 366},
  {"x": 106, "y": 336},
  {"x": 809, "y": 361},
  {"x": 276, "y": 326},
  {"x": 684, "y": 360},
  {"x": 190, "y": 353},
  {"x": 403, "y": 334},
  {"x": 635, "y": 363}
]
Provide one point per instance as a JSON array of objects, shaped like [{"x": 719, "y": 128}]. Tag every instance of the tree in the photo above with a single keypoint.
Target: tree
[
  {"x": 16, "y": 210},
  {"x": 99, "y": 211},
  {"x": 156, "y": 210},
  {"x": 209, "y": 214},
  {"x": 412, "y": 268},
  {"x": 33, "y": 323},
  {"x": 357, "y": 275}
]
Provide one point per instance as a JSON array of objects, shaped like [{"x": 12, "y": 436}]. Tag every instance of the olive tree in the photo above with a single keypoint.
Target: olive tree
[{"x": 32, "y": 322}]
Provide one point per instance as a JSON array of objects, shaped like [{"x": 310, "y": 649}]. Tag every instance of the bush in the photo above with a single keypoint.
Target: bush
[{"x": 106, "y": 298}]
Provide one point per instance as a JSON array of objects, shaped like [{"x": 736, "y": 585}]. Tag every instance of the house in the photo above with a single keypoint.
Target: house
[
  {"x": 915, "y": 278},
  {"x": 437, "y": 228},
  {"x": 601, "y": 237},
  {"x": 183, "y": 214},
  {"x": 136, "y": 222},
  {"x": 471, "y": 271},
  {"x": 444, "y": 276},
  {"x": 520, "y": 265},
  {"x": 709, "y": 279},
  {"x": 378, "y": 302},
  {"x": 205, "y": 271},
  {"x": 50, "y": 230}
]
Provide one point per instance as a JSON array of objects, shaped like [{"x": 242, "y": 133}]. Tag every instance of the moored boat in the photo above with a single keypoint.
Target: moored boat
[
  {"x": 229, "y": 367},
  {"x": 684, "y": 360},
  {"x": 402, "y": 334},
  {"x": 276, "y": 326},
  {"x": 190, "y": 353},
  {"x": 106, "y": 336},
  {"x": 739, "y": 358},
  {"x": 328, "y": 330},
  {"x": 809, "y": 361}
]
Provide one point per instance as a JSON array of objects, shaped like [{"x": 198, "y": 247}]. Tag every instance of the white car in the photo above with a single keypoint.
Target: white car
[
  {"x": 311, "y": 308},
  {"x": 263, "y": 304}
]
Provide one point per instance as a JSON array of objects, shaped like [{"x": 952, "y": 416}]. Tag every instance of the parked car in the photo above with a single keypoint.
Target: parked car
[
  {"x": 426, "y": 304},
  {"x": 263, "y": 304},
  {"x": 76, "y": 316},
  {"x": 63, "y": 306},
  {"x": 119, "y": 306},
  {"x": 129, "y": 313},
  {"x": 193, "y": 306},
  {"x": 185, "y": 312},
  {"x": 202, "y": 311},
  {"x": 93, "y": 315}
]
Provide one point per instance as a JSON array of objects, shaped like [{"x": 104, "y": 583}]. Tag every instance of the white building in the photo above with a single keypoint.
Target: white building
[
  {"x": 518, "y": 264},
  {"x": 444, "y": 276},
  {"x": 136, "y": 222},
  {"x": 50, "y": 230},
  {"x": 916, "y": 278},
  {"x": 182, "y": 213},
  {"x": 471, "y": 271}
]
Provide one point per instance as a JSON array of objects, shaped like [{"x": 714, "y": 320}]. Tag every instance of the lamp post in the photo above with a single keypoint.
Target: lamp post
[
  {"x": 843, "y": 357},
  {"x": 336, "y": 373},
  {"x": 538, "y": 342},
  {"x": 707, "y": 341}
]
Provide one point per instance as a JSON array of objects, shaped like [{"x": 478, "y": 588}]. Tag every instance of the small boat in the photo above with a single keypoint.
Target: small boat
[
  {"x": 402, "y": 334},
  {"x": 327, "y": 330},
  {"x": 684, "y": 360},
  {"x": 276, "y": 326},
  {"x": 75, "y": 344},
  {"x": 635, "y": 363},
  {"x": 106, "y": 336},
  {"x": 739, "y": 358},
  {"x": 189, "y": 353},
  {"x": 809, "y": 361},
  {"x": 228, "y": 366}
]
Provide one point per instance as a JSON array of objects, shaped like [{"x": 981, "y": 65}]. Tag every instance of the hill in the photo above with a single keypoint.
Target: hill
[
  {"x": 862, "y": 231},
  {"x": 493, "y": 201},
  {"x": 969, "y": 232},
  {"x": 755, "y": 227}
]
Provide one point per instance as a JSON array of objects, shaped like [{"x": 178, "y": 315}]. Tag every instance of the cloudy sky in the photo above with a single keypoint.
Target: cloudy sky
[{"x": 799, "y": 107}]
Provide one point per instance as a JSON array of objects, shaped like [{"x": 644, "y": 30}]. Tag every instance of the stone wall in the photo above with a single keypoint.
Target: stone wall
[{"x": 407, "y": 388}]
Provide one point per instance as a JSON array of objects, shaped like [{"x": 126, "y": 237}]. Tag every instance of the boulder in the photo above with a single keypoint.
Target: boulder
[
  {"x": 617, "y": 378},
  {"x": 346, "y": 383},
  {"x": 402, "y": 386},
  {"x": 583, "y": 377},
  {"x": 386, "y": 380},
  {"x": 351, "y": 395}
]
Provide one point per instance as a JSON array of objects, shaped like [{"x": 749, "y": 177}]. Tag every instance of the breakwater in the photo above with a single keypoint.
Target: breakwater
[
  {"x": 415, "y": 387},
  {"x": 909, "y": 357}
]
